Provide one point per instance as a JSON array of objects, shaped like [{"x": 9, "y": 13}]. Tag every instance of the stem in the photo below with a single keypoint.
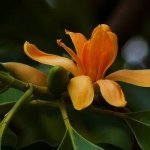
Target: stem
[
  {"x": 64, "y": 114},
  {"x": 107, "y": 112},
  {"x": 41, "y": 91},
  {"x": 19, "y": 84},
  {"x": 44, "y": 103},
  {"x": 8, "y": 117},
  {"x": 63, "y": 110}
]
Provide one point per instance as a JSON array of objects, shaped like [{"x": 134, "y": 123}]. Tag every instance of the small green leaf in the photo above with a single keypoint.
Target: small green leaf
[
  {"x": 74, "y": 141},
  {"x": 139, "y": 122},
  {"x": 11, "y": 95}
]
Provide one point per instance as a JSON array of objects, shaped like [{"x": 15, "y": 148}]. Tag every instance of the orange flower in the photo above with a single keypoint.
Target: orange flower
[{"x": 91, "y": 60}]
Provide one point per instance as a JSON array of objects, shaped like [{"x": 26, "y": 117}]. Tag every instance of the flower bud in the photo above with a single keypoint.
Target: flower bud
[
  {"x": 58, "y": 79},
  {"x": 26, "y": 73}
]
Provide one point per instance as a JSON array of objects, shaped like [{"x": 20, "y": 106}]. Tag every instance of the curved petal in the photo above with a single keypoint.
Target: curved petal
[
  {"x": 78, "y": 40},
  {"x": 73, "y": 55},
  {"x": 112, "y": 93},
  {"x": 34, "y": 53},
  {"x": 102, "y": 51},
  {"x": 84, "y": 57},
  {"x": 104, "y": 27},
  {"x": 81, "y": 91},
  {"x": 136, "y": 77}
]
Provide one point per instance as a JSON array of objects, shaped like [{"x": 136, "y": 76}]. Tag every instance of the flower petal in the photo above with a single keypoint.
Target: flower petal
[
  {"x": 104, "y": 27},
  {"x": 136, "y": 77},
  {"x": 73, "y": 55},
  {"x": 81, "y": 91},
  {"x": 112, "y": 93},
  {"x": 34, "y": 53},
  {"x": 78, "y": 40},
  {"x": 102, "y": 51}
]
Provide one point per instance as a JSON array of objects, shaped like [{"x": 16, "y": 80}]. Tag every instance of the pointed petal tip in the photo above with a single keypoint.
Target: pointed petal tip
[
  {"x": 123, "y": 104},
  {"x": 112, "y": 93},
  {"x": 103, "y": 27},
  {"x": 67, "y": 31},
  {"x": 59, "y": 42},
  {"x": 25, "y": 44}
]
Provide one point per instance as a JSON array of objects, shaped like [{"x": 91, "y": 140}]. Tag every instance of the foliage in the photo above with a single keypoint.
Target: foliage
[
  {"x": 30, "y": 122},
  {"x": 30, "y": 115}
]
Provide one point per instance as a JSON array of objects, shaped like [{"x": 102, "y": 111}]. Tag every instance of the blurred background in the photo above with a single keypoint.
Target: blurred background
[{"x": 43, "y": 21}]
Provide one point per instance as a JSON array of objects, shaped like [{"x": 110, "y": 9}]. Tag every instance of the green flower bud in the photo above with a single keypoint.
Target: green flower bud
[{"x": 58, "y": 79}]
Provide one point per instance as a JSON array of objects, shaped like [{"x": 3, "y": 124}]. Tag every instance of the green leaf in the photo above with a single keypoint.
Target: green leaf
[
  {"x": 8, "y": 117},
  {"x": 139, "y": 123},
  {"x": 5, "y": 107},
  {"x": 11, "y": 95},
  {"x": 137, "y": 97},
  {"x": 43, "y": 120},
  {"x": 99, "y": 128},
  {"x": 142, "y": 116},
  {"x": 66, "y": 142},
  {"x": 74, "y": 141}
]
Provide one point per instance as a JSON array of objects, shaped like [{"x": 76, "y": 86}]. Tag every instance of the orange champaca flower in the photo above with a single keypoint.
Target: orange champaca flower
[{"x": 91, "y": 60}]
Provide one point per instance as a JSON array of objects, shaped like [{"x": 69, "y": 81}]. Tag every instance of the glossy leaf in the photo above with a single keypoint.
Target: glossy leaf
[
  {"x": 137, "y": 97},
  {"x": 101, "y": 129},
  {"x": 142, "y": 116},
  {"x": 74, "y": 141},
  {"x": 46, "y": 124},
  {"x": 11, "y": 95},
  {"x": 8, "y": 117},
  {"x": 43, "y": 120},
  {"x": 139, "y": 123}
]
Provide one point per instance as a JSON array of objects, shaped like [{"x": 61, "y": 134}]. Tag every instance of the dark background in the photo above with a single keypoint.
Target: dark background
[{"x": 43, "y": 21}]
